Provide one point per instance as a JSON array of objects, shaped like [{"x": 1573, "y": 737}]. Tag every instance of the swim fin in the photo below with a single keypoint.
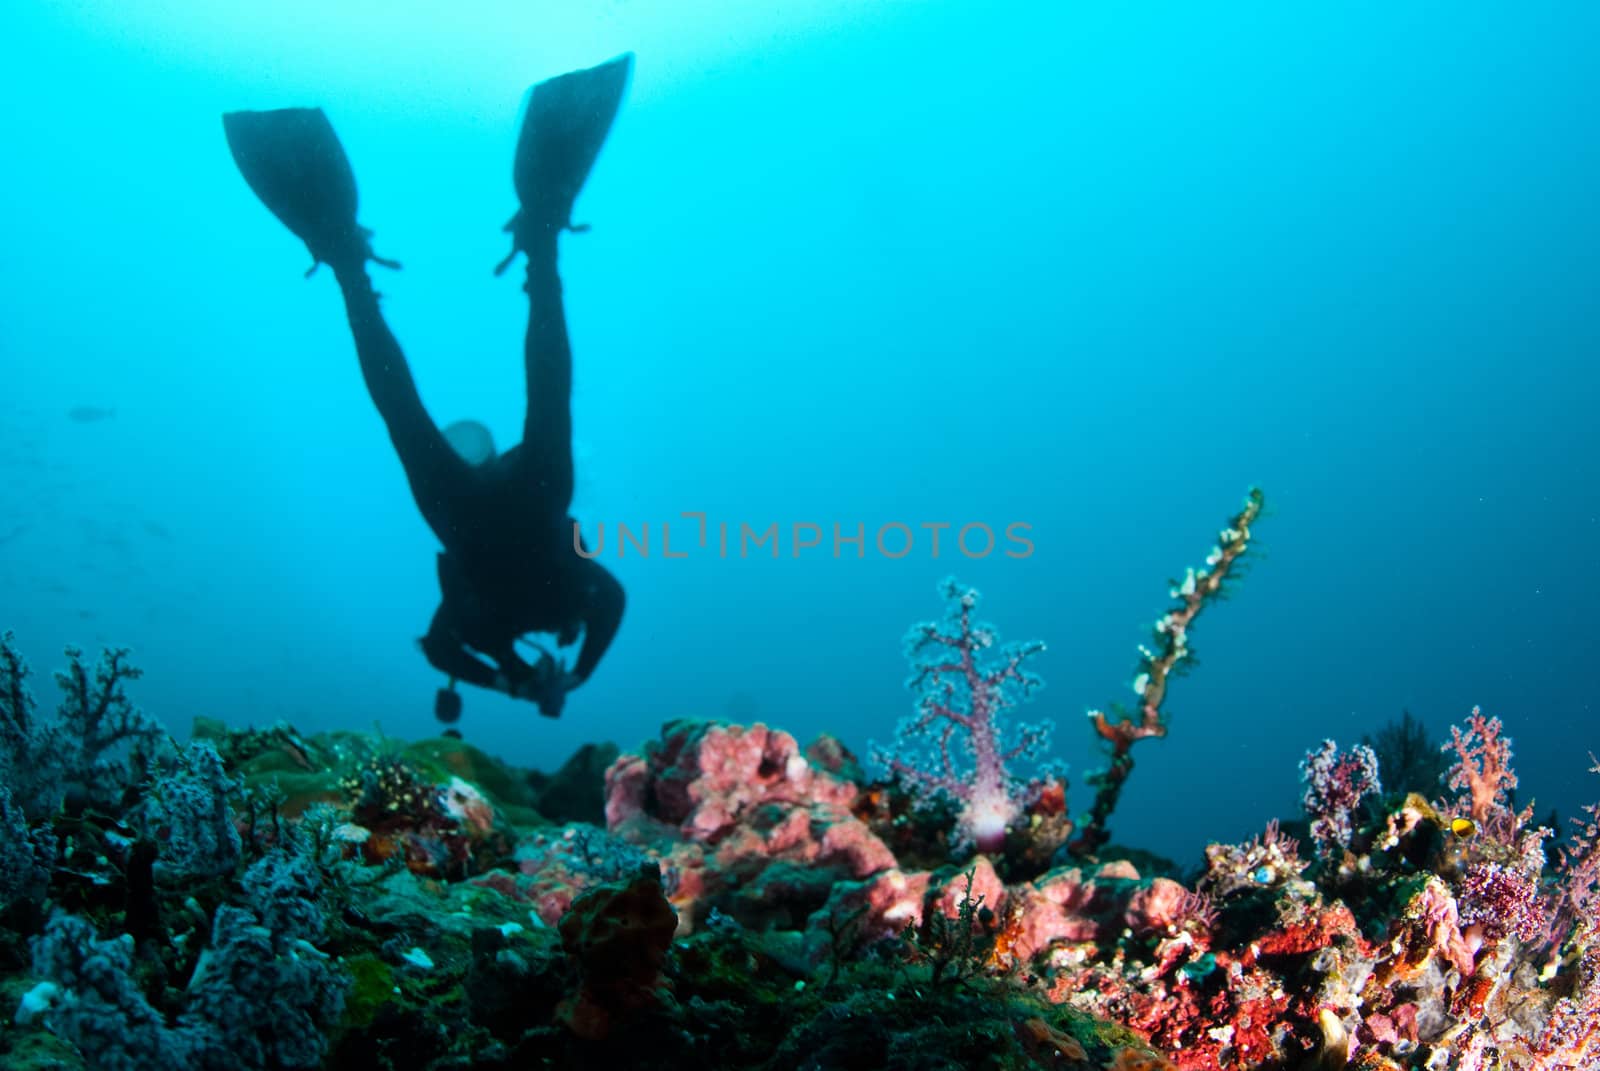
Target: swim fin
[
  {"x": 292, "y": 159},
  {"x": 563, "y": 129}
]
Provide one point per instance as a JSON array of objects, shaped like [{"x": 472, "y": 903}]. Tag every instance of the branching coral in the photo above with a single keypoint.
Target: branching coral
[
  {"x": 262, "y": 997},
  {"x": 1336, "y": 782},
  {"x": 1483, "y": 766},
  {"x": 1579, "y": 900},
  {"x": 963, "y": 692},
  {"x": 1409, "y": 758},
  {"x": 72, "y": 756},
  {"x": 1198, "y": 589}
]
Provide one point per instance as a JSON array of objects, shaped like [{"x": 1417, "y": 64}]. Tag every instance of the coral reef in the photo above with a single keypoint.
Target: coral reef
[{"x": 723, "y": 897}]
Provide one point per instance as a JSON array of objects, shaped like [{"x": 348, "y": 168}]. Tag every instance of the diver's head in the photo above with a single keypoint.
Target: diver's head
[{"x": 472, "y": 441}]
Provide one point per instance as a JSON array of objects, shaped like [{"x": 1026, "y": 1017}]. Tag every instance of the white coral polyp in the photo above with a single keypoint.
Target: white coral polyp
[{"x": 987, "y": 820}]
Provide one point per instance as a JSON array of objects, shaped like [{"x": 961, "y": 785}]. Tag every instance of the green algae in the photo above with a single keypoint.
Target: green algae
[{"x": 371, "y": 987}]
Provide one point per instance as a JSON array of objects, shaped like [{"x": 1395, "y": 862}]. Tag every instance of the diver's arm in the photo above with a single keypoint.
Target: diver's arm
[
  {"x": 601, "y": 619},
  {"x": 449, "y": 656}
]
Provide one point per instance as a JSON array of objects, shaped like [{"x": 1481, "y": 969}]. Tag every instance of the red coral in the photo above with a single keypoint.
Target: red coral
[{"x": 1308, "y": 935}]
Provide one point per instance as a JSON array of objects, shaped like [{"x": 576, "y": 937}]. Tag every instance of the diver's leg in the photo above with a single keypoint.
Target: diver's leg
[
  {"x": 294, "y": 162},
  {"x": 547, "y": 355},
  {"x": 437, "y": 474},
  {"x": 563, "y": 130}
]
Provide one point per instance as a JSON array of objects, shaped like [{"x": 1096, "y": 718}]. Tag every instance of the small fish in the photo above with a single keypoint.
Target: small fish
[
  {"x": 90, "y": 414},
  {"x": 1463, "y": 827}
]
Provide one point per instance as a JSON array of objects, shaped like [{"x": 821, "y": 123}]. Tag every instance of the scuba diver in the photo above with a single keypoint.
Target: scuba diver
[{"x": 512, "y": 562}]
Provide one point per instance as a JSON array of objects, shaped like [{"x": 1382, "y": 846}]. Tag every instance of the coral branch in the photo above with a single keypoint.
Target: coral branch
[
  {"x": 16, "y": 702},
  {"x": 1483, "y": 767},
  {"x": 46, "y": 761},
  {"x": 1335, "y": 784},
  {"x": 1578, "y": 900},
  {"x": 1197, "y": 590},
  {"x": 958, "y": 688}
]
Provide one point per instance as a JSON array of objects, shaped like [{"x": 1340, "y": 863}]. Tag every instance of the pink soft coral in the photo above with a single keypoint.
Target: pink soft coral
[
  {"x": 960, "y": 687},
  {"x": 1483, "y": 766}
]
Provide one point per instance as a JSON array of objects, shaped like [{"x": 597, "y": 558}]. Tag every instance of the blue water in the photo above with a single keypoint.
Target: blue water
[{"x": 1092, "y": 270}]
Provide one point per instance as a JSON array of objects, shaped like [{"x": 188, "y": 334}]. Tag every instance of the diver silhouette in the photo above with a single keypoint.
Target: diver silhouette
[{"x": 510, "y": 564}]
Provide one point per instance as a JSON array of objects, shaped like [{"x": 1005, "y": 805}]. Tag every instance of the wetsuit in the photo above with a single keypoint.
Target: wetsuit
[{"x": 509, "y": 565}]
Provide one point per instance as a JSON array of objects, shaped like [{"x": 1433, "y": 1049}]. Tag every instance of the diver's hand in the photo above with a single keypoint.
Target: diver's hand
[
  {"x": 545, "y": 684},
  {"x": 554, "y": 697},
  {"x": 552, "y": 703},
  {"x": 545, "y": 689},
  {"x": 522, "y": 686}
]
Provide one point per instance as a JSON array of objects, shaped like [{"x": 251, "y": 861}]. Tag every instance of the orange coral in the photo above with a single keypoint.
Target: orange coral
[
  {"x": 1134, "y": 1060},
  {"x": 1044, "y": 1041}
]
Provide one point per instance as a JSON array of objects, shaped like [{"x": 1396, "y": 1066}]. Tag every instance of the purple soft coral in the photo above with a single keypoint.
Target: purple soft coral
[
  {"x": 958, "y": 688},
  {"x": 1336, "y": 782}
]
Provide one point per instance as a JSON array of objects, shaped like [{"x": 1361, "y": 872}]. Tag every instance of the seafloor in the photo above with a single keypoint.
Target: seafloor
[{"x": 725, "y": 898}]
